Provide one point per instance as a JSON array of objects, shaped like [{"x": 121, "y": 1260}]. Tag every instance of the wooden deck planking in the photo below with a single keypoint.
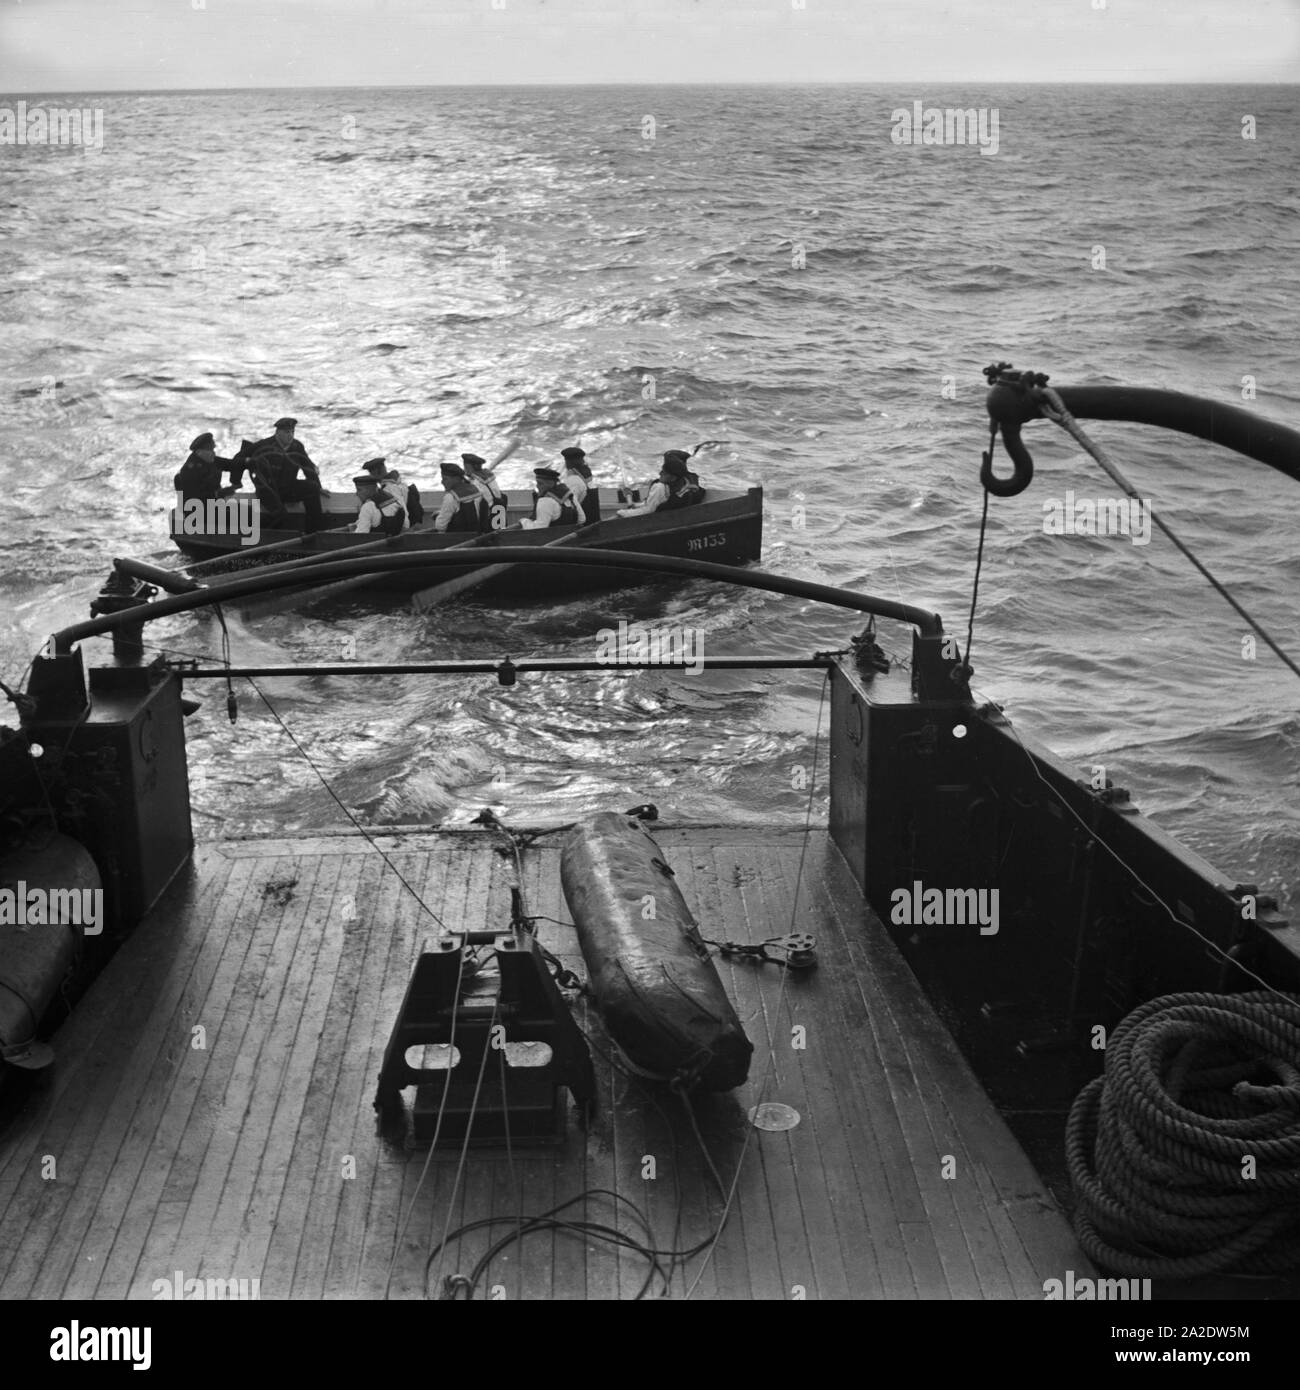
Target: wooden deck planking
[
  {"x": 227, "y": 1163},
  {"x": 101, "y": 1136},
  {"x": 132, "y": 1203},
  {"x": 811, "y": 1153},
  {"x": 973, "y": 1261},
  {"x": 216, "y": 1003},
  {"x": 933, "y": 1235},
  {"x": 296, "y": 1116},
  {"x": 326, "y": 1057},
  {"x": 977, "y": 1260},
  {"x": 256, "y": 1035},
  {"x": 830, "y": 1113},
  {"x": 389, "y": 954},
  {"x": 759, "y": 1222},
  {"x": 890, "y": 1195},
  {"x": 127, "y": 1258}
]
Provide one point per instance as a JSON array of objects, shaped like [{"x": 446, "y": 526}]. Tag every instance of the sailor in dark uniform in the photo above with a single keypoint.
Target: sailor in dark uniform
[
  {"x": 683, "y": 490},
  {"x": 577, "y": 478},
  {"x": 274, "y": 463},
  {"x": 552, "y": 504},
  {"x": 200, "y": 474},
  {"x": 686, "y": 460},
  {"x": 489, "y": 489},
  {"x": 675, "y": 487},
  {"x": 462, "y": 507}
]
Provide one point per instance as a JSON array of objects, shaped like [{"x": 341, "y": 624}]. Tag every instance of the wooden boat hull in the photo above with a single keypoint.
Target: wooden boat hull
[{"x": 726, "y": 530}]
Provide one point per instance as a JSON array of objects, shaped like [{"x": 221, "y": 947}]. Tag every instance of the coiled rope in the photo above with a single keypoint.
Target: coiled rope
[{"x": 1184, "y": 1154}]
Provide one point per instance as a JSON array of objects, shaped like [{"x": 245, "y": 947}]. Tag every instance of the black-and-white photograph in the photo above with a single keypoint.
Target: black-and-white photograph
[{"x": 650, "y": 651}]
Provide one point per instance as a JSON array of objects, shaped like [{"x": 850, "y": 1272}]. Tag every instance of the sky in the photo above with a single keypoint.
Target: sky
[{"x": 105, "y": 45}]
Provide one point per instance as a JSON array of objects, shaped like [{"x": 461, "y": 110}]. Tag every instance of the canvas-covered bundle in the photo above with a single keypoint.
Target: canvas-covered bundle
[{"x": 654, "y": 981}]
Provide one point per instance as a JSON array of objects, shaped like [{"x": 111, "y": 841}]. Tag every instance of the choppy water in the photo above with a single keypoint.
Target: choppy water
[{"x": 418, "y": 272}]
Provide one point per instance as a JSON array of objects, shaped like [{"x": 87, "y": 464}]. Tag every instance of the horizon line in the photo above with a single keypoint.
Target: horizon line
[{"x": 587, "y": 86}]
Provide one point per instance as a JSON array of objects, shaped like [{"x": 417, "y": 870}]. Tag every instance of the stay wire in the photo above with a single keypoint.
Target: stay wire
[
  {"x": 516, "y": 1187},
  {"x": 1137, "y": 878},
  {"x": 360, "y": 828},
  {"x": 469, "y": 1129},
  {"x": 975, "y": 587},
  {"x": 1056, "y": 411}
]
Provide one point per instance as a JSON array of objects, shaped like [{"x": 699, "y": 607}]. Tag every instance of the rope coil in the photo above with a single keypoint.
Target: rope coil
[{"x": 1182, "y": 1162}]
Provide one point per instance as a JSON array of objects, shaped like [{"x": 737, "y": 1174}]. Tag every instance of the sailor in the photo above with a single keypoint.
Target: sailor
[
  {"x": 672, "y": 489},
  {"x": 200, "y": 474},
  {"x": 274, "y": 463},
  {"x": 686, "y": 459},
  {"x": 462, "y": 506},
  {"x": 411, "y": 498},
  {"x": 577, "y": 478},
  {"x": 552, "y": 504},
  {"x": 494, "y": 500},
  {"x": 390, "y": 483},
  {"x": 686, "y": 492},
  {"x": 379, "y": 510}
]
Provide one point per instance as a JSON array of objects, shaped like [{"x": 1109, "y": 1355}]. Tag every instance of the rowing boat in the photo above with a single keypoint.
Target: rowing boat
[{"x": 726, "y": 529}]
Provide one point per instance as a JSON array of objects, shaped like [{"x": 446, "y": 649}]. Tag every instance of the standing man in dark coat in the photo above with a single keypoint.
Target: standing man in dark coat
[
  {"x": 200, "y": 474},
  {"x": 274, "y": 463}
]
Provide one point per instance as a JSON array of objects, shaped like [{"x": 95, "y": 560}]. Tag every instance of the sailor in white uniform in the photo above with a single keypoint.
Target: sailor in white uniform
[
  {"x": 554, "y": 506},
  {"x": 379, "y": 510},
  {"x": 489, "y": 489}
]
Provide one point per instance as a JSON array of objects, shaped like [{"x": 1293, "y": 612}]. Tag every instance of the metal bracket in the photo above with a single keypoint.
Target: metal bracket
[{"x": 445, "y": 1004}]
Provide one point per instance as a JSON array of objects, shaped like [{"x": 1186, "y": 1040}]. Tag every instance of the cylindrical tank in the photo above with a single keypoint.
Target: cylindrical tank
[
  {"x": 50, "y": 896},
  {"x": 652, "y": 976}
]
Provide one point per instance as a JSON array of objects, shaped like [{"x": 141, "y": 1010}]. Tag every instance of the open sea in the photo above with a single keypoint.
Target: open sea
[{"x": 420, "y": 272}]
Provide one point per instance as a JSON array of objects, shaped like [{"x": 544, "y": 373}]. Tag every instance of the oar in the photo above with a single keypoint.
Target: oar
[
  {"x": 297, "y": 544},
  {"x": 503, "y": 455},
  {"x": 424, "y": 599},
  {"x": 281, "y": 602}
]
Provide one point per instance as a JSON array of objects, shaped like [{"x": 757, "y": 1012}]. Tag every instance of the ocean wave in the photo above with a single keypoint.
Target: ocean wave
[{"x": 367, "y": 297}]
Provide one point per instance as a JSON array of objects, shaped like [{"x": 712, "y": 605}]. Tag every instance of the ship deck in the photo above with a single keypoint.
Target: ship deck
[{"x": 230, "y": 1160}]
